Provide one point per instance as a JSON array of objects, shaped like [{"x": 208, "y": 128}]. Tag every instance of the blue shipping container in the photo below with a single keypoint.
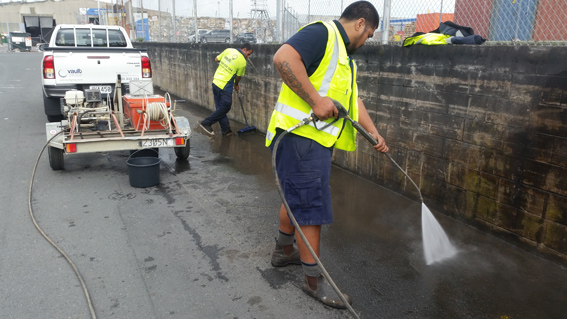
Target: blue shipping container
[
  {"x": 512, "y": 20},
  {"x": 143, "y": 33}
]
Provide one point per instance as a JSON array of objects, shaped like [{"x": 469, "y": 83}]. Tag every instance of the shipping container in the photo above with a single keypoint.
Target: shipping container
[
  {"x": 430, "y": 21},
  {"x": 551, "y": 21},
  {"x": 512, "y": 20},
  {"x": 474, "y": 14}
]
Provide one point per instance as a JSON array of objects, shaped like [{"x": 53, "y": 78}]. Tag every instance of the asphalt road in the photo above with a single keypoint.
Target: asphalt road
[{"x": 198, "y": 245}]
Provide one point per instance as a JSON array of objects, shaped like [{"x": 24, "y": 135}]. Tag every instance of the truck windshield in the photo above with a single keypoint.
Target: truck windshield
[
  {"x": 98, "y": 38},
  {"x": 65, "y": 37},
  {"x": 116, "y": 39},
  {"x": 83, "y": 37}
]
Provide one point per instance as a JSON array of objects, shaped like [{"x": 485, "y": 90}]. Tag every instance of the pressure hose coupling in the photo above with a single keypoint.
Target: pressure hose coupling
[
  {"x": 305, "y": 121},
  {"x": 343, "y": 113}
]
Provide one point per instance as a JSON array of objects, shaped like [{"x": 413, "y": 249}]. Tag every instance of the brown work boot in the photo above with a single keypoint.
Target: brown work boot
[
  {"x": 280, "y": 258},
  {"x": 320, "y": 289}
]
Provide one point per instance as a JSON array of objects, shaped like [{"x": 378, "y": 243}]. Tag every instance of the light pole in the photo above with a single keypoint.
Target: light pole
[
  {"x": 386, "y": 21},
  {"x": 98, "y": 10}
]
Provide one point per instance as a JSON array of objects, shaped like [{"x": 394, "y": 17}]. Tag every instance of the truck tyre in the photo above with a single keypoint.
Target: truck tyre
[
  {"x": 183, "y": 152},
  {"x": 56, "y": 160},
  {"x": 52, "y": 107}
]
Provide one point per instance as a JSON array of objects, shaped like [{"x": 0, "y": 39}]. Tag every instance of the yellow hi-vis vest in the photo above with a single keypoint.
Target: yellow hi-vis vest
[
  {"x": 427, "y": 39},
  {"x": 333, "y": 78}
]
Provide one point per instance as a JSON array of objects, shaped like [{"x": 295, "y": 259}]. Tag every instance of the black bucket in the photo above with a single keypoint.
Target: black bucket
[{"x": 143, "y": 171}]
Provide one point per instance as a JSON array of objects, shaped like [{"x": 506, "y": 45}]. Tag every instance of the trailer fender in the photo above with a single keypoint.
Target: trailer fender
[
  {"x": 51, "y": 129},
  {"x": 183, "y": 126}
]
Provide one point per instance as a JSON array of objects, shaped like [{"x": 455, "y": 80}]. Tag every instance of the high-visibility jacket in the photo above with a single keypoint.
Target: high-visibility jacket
[
  {"x": 335, "y": 77},
  {"x": 232, "y": 63},
  {"x": 427, "y": 39}
]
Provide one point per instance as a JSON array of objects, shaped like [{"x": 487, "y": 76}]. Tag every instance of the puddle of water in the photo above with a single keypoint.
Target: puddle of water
[{"x": 436, "y": 244}]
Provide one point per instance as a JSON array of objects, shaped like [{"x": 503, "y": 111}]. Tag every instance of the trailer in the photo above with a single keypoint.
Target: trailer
[{"x": 135, "y": 121}]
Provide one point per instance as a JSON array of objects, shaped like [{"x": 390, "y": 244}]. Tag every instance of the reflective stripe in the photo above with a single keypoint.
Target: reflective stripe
[
  {"x": 326, "y": 83},
  {"x": 269, "y": 135},
  {"x": 298, "y": 115}
]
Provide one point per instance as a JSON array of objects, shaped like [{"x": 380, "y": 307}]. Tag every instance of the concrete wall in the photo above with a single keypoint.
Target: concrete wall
[{"x": 480, "y": 129}]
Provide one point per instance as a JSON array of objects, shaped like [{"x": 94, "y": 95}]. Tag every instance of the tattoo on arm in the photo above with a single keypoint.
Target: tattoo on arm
[{"x": 291, "y": 80}]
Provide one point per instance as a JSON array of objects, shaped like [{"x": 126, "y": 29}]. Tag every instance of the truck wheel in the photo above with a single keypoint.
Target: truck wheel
[
  {"x": 50, "y": 106},
  {"x": 56, "y": 160},
  {"x": 183, "y": 152}
]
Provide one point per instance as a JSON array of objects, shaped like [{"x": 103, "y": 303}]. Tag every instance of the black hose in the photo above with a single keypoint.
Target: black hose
[
  {"x": 297, "y": 228},
  {"x": 69, "y": 261},
  {"x": 343, "y": 113}
]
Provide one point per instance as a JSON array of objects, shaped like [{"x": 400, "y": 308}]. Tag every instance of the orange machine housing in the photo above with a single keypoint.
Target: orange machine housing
[{"x": 133, "y": 104}]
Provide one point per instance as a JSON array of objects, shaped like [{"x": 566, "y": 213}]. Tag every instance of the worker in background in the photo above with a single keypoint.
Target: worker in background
[
  {"x": 232, "y": 65},
  {"x": 316, "y": 66}
]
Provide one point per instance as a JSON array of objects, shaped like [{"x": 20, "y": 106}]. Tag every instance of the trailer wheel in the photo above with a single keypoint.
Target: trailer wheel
[
  {"x": 56, "y": 160},
  {"x": 183, "y": 152}
]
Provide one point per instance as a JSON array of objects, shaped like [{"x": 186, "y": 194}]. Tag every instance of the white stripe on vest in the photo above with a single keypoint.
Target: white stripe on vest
[
  {"x": 298, "y": 115},
  {"x": 324, "y": 89}
]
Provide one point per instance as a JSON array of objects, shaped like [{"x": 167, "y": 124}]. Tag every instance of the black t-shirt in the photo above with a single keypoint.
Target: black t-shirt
[{"x": 311, "y": 42}]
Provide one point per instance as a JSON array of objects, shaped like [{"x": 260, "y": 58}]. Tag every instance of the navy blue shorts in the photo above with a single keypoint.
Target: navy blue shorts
[{"x": 304, "y": 170}]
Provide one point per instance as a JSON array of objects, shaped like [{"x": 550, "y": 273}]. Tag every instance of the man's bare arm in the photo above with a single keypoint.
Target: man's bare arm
[{"x": 290, "y": 66}]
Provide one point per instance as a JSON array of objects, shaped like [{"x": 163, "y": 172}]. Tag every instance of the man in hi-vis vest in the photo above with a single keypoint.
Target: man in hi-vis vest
[
  {"x": 232, "y": 65},
  {"x": 315, "y": 66}
]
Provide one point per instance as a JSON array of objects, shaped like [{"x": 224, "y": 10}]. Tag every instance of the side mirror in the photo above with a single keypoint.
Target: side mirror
[{"x": 42, "y": 46}]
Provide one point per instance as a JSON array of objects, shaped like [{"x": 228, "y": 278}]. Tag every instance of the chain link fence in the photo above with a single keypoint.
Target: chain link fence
[{"x": 500, "y": 22}]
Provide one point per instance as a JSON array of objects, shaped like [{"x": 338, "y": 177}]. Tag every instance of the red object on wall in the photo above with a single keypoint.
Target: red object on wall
[
  {"x": 474, "y": 14},
  {"x": 430, "y": 21},
  {"x": 550, "y": 20},
  {"x": 134, "y": 104}
]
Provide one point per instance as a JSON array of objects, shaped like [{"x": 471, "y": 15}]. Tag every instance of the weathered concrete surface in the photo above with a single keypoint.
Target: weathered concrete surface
[
  {"x": 198, "y": 244},
  {"x": 479, "y": 128}
]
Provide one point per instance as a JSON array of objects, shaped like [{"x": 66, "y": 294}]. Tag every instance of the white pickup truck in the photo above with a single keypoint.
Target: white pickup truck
[{"x": 88, "y": 57}]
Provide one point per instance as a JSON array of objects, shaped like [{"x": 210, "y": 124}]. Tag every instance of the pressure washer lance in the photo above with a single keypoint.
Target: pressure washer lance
[
  {"x": 343, "y": 113},
  {"x": 372, "y": 141}
]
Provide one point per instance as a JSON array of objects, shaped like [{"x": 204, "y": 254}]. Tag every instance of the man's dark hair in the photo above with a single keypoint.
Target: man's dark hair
[
  {"x": 362, "y": 9},
  {"x": 247, "y": 46}
]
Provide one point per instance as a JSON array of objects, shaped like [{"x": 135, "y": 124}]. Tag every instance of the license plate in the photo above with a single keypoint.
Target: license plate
[
  {"x": 102, "y": 88},
  {"x": 127, "y": 77},
  {"x": 157, "y": 142}
]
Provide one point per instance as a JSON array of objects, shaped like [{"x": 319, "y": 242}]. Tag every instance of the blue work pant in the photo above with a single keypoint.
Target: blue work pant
[
  {"x": 304, "y": 170},
  {"x": 223, "y": 104}
]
